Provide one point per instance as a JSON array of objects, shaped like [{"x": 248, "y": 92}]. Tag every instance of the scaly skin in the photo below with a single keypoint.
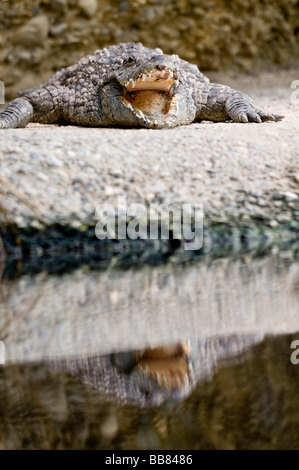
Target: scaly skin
[{"x": 102, "y": 90}]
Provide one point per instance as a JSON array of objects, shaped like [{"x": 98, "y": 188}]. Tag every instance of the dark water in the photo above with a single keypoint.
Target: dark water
[{"x": 172, "y": 357}]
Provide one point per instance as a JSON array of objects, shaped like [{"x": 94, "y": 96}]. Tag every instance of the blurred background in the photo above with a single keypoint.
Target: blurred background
[{"x": 38, "y": 37}]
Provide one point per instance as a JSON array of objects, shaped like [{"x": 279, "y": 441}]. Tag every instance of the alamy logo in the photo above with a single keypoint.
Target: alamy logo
[
  {"x": 2, "y": 353},
  {"x": 295, "y": 354},
  {"x": 156, "y": 221},
  {"x": 2, "y": 93},
  {"x": 295, "y": 94}
]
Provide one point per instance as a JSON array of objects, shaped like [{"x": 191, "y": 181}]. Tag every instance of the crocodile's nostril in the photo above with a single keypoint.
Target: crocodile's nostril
[{"x": 160, "y": 67}]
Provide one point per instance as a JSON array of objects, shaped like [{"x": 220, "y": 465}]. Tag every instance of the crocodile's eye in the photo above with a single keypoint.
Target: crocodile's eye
[{"x": 130, "y": 60}]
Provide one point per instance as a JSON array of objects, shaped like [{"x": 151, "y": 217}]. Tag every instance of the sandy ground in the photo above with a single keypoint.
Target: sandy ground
[{"x": 64, "y": 173}]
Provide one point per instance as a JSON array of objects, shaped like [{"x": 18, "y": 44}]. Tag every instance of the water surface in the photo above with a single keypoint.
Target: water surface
[{"x": 79, "y": 374}]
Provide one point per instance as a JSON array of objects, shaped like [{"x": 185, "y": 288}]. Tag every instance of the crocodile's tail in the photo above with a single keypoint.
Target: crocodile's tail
[{"x": 17, "y": 114}]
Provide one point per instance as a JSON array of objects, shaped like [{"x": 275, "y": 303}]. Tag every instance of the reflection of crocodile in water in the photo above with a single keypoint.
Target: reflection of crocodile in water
[
  {"x": 131, "y": 85},
  {"x": 251, "y": 404},
  {"x": 150, "y": 376}
]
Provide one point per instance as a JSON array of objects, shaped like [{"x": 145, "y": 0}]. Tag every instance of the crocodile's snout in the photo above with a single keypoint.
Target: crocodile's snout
[{"x": 152, "y": 93}]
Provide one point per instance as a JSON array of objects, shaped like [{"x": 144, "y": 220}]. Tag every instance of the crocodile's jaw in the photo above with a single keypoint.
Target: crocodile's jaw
[
  {"x": 152, "y": 97},
  {"x": 155, "y": 99}
]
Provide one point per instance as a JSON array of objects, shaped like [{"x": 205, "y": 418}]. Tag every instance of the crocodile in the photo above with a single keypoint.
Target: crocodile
[
  {"x": 151, "y": 376},
  {"x": 129, "y": 85}
]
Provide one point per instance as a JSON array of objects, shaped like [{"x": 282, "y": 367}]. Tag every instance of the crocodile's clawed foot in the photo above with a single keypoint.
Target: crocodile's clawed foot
[
  {"x": 268, "y": 117},
  {"x": 240, "y": 108},
  {"x": 18, "y": 114}
]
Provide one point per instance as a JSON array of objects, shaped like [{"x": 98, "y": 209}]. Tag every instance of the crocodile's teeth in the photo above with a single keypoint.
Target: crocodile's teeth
[
  {"x": 159, "y": 378},
  {"x": 143, "y": 77},
  {"x": 139, "y": 113},
  {"x": 128, "y": 105},
  {"x": 133, "y": 84}
]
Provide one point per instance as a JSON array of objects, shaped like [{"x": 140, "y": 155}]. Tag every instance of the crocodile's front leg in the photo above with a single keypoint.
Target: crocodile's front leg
[
  {"x": 43, "y": 105},
  {"x": 54, "y": 104},
  {"x": 217, "y": 102},
  {"x": 18, "y": 114}
]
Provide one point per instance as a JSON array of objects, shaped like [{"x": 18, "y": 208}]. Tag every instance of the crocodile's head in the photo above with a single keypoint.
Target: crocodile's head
[{"x": 148, "y": 92}]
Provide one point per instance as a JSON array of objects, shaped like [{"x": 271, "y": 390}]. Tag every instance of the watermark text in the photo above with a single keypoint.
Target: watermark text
[
  {"x": 295, "y": 354},
  {"x": 2, "y": 93},
  {"x": 156, "y": 221}
]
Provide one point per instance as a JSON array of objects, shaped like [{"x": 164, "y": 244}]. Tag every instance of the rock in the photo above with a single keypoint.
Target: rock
[
  {"x": 23, "y": 55},
  {"x": 35, "y": 156},
  {"x": 109, "y": 191},
  {"x": 284, "y": 217},
  {"x": 262, "y": 202},
  {"x": 124, "y": 6},
  {"x": 286, "y": 254},
  {"x": 58, "y": 5},
  {"x": 77, "y": 187},
  {"x": 34, "y": 32},
  {"x": 77, "y": 180},
  {"x": 262, "y": 184},
  {"x": 14, "y": 157},
  {"x": 31, "y": 191},
  {"x": 116, "y": 172},
  {"x": 58, "y": 29},
  {"x": 41, "y": 176},
  {"x": 290, "y": 196},
  {"x": 75, "y": 223},
  {"x": 246, "y": 184},
  {"x": 53, "y": 161},
  {"x": 109, "y": 426},
  {"x": 88, "y": 7},
  {"x": 26, "y": 168}
]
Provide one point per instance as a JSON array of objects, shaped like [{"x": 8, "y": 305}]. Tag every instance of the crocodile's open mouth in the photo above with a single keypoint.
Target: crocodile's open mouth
[{"x": 152, "y": 94}]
